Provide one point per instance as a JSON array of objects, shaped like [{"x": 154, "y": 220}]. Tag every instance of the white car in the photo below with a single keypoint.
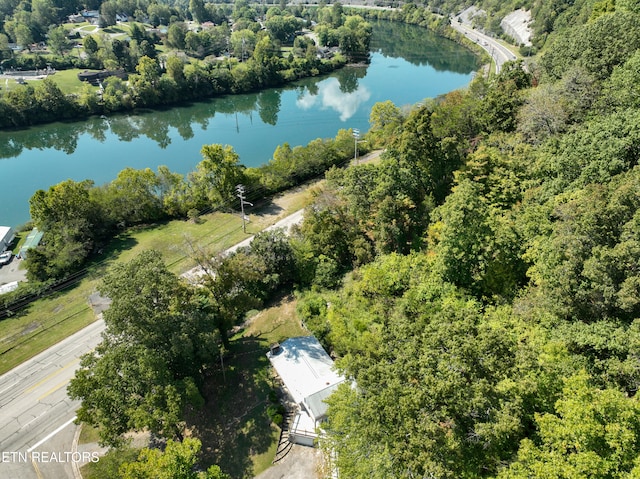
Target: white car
[{"x": 5, "y": 258}]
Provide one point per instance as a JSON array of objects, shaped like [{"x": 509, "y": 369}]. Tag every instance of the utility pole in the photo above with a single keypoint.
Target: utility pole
[
  {"x": 356, "y": 136},
  {"x": 240, "y": 190}
]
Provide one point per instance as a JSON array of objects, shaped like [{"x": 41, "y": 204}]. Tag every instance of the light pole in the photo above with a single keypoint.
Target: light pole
[{"x": 240, "y": 190}]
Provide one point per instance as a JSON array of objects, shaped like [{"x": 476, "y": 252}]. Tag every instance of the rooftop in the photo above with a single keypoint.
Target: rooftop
[
  {"x": 305, "y": 368},
  {"x": 33, "y": 239}
]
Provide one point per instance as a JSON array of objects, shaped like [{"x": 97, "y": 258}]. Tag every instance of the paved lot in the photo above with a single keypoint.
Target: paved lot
[
  {"x": 301, "y": 463},
  {"x": 11, "y": 272}
]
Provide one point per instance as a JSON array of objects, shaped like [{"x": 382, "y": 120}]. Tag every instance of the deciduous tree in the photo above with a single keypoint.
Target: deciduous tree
[{"x": 177, "y": 461}]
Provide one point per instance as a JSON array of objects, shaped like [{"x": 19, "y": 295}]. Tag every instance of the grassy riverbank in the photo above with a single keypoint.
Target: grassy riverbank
[{"x": 49, "y": 320}]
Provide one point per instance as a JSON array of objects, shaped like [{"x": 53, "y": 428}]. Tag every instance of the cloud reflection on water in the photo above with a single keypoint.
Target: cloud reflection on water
[{"x": 331, "y": 97}]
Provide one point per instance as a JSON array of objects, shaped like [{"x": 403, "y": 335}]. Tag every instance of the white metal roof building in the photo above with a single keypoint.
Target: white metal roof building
[
  {"x": 6, "y": 237},
  {"x": 308, "y": 374}
]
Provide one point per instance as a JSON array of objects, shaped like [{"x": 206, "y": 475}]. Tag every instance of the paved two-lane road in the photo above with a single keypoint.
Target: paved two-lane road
[
  {"x": 498, "y": 52},
  {"x": 34, "y": 404}
]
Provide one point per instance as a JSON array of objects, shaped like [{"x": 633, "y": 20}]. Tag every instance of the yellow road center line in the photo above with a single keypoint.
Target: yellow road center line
[
  {"x": 54, "y": 389},
  {"x": 55, "y": 373},
  {"x": 35, "y": 466}
]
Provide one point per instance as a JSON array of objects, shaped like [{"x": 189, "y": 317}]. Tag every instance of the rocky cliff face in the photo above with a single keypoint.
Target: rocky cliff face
[{"x": 517, "y": 26}]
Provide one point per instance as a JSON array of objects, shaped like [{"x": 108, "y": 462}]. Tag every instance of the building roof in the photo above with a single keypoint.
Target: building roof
[
  {"x": 33, "y": 239},
  {"x": 6, "y": 237},
  {"x": 315, "y": 402},
  {"x": 306, "y": 370}
]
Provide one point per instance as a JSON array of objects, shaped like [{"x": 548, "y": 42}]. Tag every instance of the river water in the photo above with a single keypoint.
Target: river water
[{"x": 408, "y": 64}]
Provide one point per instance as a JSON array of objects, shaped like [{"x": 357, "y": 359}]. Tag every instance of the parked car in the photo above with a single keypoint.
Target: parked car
[{"x": 5, "y": 258}]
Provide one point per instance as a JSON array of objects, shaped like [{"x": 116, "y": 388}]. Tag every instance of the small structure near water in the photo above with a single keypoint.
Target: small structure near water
[
  {"x": 309, "y": 378},
  {"x": 33, "y": 240}
]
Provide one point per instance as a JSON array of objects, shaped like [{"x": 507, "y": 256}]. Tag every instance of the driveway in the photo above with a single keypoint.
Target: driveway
[
  {"x": 11, "y": 272},
  {"x": 302, "y": 462}
]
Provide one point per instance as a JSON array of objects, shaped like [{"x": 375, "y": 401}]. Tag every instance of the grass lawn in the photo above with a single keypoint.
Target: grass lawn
[
  {"x": 68, "y": 81},
  {"x": 233, "y": 426},
  {"x": 116, "y": 30},
  {"x": 49, "y": 320},
  {"x": 84, "y": 28},
  {"x": 107, "y": 467},
  {"x": 88, "y": 434}
]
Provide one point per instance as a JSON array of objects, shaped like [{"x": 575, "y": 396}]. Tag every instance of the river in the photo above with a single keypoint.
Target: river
[{"x": 408, "y": 64}]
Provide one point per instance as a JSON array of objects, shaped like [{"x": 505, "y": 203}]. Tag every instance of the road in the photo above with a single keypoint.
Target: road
[
  {"x": 193, "y": 274},
  {"x": 34, "y": 404},
  {"x": 498, "y": 52},
  {"x": 36, "y": 415}
]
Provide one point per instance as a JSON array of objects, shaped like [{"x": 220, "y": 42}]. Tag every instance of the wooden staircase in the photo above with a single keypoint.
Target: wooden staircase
[{"x": 284, "y": 445}]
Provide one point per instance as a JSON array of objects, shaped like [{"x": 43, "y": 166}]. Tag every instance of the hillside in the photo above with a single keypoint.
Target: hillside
[
  {"x": 479, "y": 285},
  {"x": 490, "y": 320}
]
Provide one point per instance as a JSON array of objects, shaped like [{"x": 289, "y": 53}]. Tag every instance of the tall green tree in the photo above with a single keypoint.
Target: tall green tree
[
  {"x": 133, "y": 197},
  {"x": 215, "y": 179},
  {"x": 417, "y": 147},
  {"x": 386, "y": 121},
  {"x": 476, "y": 247},
  {"x": 160, "y": 337},
  {"x": 283, "y": 27},
  {"x": 52, "y": 103},
  {"x": 58, "y": 41},
  {"x": 437, "y": 385},
  {"x": 123, "y": 388},
  {"x": 233, "y": 285},
  {"x": 593, "y": 433},
  {"x": 90, "y": 45},
  {"x": 198, "y": 10},
  {"x": 154, "y": 309},
  {"x": 73, "y": 224},
  {"x": 177, "y": 461}
]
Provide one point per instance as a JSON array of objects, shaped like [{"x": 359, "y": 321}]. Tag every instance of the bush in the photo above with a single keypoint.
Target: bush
[
  {"x": 276, "y": 413},
  {"x": 277, "y": 419}
]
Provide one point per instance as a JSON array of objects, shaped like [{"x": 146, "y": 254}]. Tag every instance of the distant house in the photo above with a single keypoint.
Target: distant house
[
  {"x": 33, "y": 240},
  {"x": 122, "y": 17},
  {"x": 308, "y": 375},
  {"x": 91, "y": 16},
  {"x": 95, "y": 77},
  {"x": 7, "y": 235},
  {"x": 77, "y": 18},
  {"x": 327, "y": 52}
]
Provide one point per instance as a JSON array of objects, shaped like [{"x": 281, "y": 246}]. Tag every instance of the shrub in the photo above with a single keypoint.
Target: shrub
[{"x": 276, "y": 412}]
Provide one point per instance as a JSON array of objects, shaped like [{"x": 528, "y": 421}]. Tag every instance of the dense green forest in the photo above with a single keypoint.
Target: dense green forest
[
  {"x": 479, "y": 285},
  {"x": 490, "y": 321}
]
